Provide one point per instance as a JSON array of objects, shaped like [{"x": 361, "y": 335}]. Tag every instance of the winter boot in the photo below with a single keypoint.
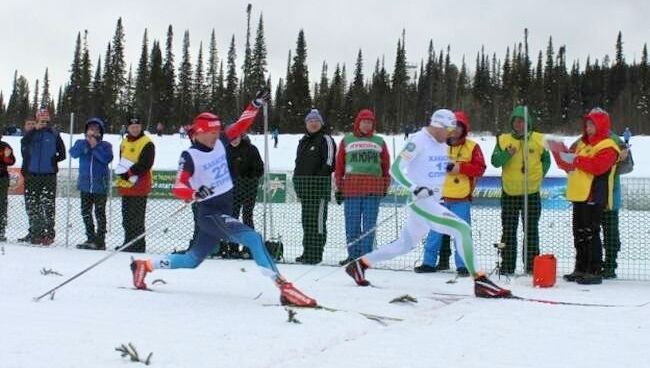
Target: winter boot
[
  {"x": 25, "y": 239},
  {"x": 289, "y": 295},
  {"x": 425, "y": 268},
  {"x": 88, "y": 244},
  {"x": 140, "y": 268},
  {"x": 344, "y": 262},
  {"x": 609, "y": 273},
  {"x": 590, "y": 279},
  {"x": 484, "y": 288},
  {"x": 357, "y": 270},
  {"x": 462, "y": 272},
  {"x": 573, "y": 276}
]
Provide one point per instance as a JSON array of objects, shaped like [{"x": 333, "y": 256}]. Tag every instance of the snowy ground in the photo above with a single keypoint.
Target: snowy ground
[{"x": 214, "y": 316}]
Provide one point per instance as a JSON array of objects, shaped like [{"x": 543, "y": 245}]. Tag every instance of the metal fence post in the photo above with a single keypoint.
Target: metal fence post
[{"x": 68, "y": 190}]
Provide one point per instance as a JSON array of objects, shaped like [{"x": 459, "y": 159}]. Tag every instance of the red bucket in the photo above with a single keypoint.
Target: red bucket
[{"x": 544, "y": 267}]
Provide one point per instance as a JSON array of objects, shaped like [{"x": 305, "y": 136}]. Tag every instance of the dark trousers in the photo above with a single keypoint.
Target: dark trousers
[
  {"x": 611, "y": 239},
  {"x": 314, "y": 218},
  {"x": 586, "y": 237},
  {"x": 28, "y": 211},
  {"x": 445, "y": 250},
  {"x": 512, "y": 207},
  {"x": 98, "y": 202},
  {"x": 40, "y": 192},
  {"x": 4, "y": 189},
  {"x": 133, "y": 212},
  {"x": 244, "y": 204}
]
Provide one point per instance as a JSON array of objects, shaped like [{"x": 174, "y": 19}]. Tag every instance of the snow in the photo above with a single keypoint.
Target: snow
[{"x": 215, "y": 316}]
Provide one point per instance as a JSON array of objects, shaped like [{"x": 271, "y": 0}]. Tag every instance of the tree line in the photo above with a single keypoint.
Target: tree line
[{"x": 558, "y": 92}]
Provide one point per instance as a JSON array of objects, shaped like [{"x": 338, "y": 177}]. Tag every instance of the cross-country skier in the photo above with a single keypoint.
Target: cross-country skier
[
  {"x": 203, "y": 175},
  {"x": 422, "y": 167}
]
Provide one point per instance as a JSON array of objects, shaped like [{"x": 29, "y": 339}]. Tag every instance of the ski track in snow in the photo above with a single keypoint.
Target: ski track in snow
[{"x": 209, "y": 317}]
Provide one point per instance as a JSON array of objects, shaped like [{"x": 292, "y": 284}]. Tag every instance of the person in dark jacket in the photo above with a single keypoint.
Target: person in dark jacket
[
  {"x": 312, "y": 181},
  {"x": 246, "y": 167},
  {"x": 43, "y": 149},
  {"x": 134, "y": 182},
  {"x": 8, "y": 159},
  {"x": 94, "y": 155},
  {"x": 29, "y": 126}
]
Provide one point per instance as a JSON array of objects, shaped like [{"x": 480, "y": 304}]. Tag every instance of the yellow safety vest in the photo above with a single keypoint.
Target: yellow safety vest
[
  {"x": 512, "y": 175},
  {"x": 579, "y": 181},
  {"x": 459, "y": 185},
  {"x": 131, "y": 150}
]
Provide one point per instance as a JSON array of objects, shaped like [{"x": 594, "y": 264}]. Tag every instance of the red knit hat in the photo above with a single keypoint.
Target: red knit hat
[{"x": 205, "y": 122}]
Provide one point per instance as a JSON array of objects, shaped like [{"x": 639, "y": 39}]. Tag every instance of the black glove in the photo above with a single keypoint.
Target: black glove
[
  {"x": 422, "y": 192},
  {"x": 203, "y": 192},
  {"x": 261, "y": 96},
  {"x": 338, "y": 196},
  {"x": 125, "y": 176}
]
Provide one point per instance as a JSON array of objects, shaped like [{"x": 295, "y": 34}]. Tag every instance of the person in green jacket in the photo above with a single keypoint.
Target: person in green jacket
[{"x": 509, "y": 156}]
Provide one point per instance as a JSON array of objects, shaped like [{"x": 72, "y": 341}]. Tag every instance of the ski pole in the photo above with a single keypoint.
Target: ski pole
[{"x": 119, "y": 249}]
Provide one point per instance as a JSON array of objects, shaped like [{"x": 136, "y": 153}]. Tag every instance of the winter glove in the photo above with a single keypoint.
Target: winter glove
[
  {"x": 338, "y": 196},
  {"x": 261, "y": 97},
  {"x": 203, "y": 192},
  {"x": 567, "y": 157},
  {"x": 422, "y": 192}
]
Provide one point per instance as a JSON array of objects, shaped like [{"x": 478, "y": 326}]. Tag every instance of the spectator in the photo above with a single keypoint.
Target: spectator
[
  {"x": 609, "y": 222},
  {"x": 509, "y": 155},
  {"x": 275, "y": 134},
  {"x": 591, "y": 166},
  {"x": 43, "y": 150},
  {"x": 182, "y": 132},
  {"x": 123, "y": 130},
  {"x": 8, "y": 159},
  {"x": 466, "y": 166},
  {"x": 362, "y": 179},
  {"x": 94, "y": 155},
  {"x": 29, "y": 126},
  {"x": 160, "y": 129},
  {"x": 246, "y": 169},
  {"x": 137, "y": 154},
  {"x": 312, "y": 180}
]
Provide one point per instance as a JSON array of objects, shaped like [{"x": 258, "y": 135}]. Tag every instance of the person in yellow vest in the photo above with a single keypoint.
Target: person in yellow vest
[
  {"x": 466, "y": 165},
  {"x": 591, "y": 167},
  {"x": 134, "y": 181},
  {"x": 509, "y": 156}
]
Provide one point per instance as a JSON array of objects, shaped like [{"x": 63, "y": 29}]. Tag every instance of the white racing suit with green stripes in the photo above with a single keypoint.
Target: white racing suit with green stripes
[{"x": 423, "y": 162}]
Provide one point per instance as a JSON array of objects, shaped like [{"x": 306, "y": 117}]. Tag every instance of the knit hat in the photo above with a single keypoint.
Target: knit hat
[
  {"x": 443, "y": 118},
  {"x": 205, "y": 122},
  {"x": 314, "y": 114},
  {"x": 133, "y": 121},
  {"x": 97, "y": 121}
]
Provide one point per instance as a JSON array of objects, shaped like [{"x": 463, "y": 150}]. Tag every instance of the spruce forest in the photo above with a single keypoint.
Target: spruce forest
[{"x": 161, "y": 88}]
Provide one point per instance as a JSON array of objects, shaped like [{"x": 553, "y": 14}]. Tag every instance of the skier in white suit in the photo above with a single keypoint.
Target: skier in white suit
[{"x": 422, "y": 167}]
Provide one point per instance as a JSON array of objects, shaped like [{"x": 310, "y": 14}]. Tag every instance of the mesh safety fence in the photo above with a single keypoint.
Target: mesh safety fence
[{"x": 313, "y": 227}]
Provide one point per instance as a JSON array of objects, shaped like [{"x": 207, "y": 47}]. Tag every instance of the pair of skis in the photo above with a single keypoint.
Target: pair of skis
[{"x": 546, "y": 301}]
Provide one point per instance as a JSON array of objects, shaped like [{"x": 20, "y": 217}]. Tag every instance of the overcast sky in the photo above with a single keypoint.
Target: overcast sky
[{"x": 39, "y": 34}]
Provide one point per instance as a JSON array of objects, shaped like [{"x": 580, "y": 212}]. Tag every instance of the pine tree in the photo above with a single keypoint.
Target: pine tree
[
  {"x": 356, "y": 97},
  {"x": 184, "y": 95},
  {"x": 320, "y": 96},
  {"x": 119, "y": 97},
  {"x": 3, "y": 112},
  {"x": 18, "y": 108},
  {"x": 129, "y": 95},
  {"x": 156, "y": 83},
  {"x": 380, "y": 94},
  {"x": 35, "y": 104},
  {"x": 335, "y": 111},
  {"x": 230, "y": 106},
  {"x": 213, "y": 74},
  {"x": 46, "y": 99},
  {"x": 399, "y": 86},
  {"x": 247, "y": 88},
  {"x": 142, "y": 91},
  {"x": 201, "y": 93},
  {"x": 298, "y": 95},
  {"x": 257, "y": 77},
  {"x": 97, "y": 92},
  {"x": 167, "y": 96}
]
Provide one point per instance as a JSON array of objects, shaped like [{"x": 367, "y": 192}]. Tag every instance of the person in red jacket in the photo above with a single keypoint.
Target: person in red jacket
[
  {"x": 362, "y": 179},
  {"x": 6, "y": 159},
  {"x": 466, "y": 166},
  {"x": 591, "y": 166},
  {"x": 203, "y": 176}
]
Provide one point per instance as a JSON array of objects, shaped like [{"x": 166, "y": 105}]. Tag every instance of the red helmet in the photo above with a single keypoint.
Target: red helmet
[{"x": 205, "y": 122}]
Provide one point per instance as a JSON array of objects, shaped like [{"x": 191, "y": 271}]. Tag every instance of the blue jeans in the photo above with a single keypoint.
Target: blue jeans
[
  {"x": 360, "y": 216},
  {"x": 434, "y": 239}
]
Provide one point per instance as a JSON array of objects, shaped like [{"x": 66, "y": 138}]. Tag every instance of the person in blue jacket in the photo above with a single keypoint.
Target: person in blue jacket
[
  {"x": 42, "y": 150},
  {"x": 94, "y": 155}
]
